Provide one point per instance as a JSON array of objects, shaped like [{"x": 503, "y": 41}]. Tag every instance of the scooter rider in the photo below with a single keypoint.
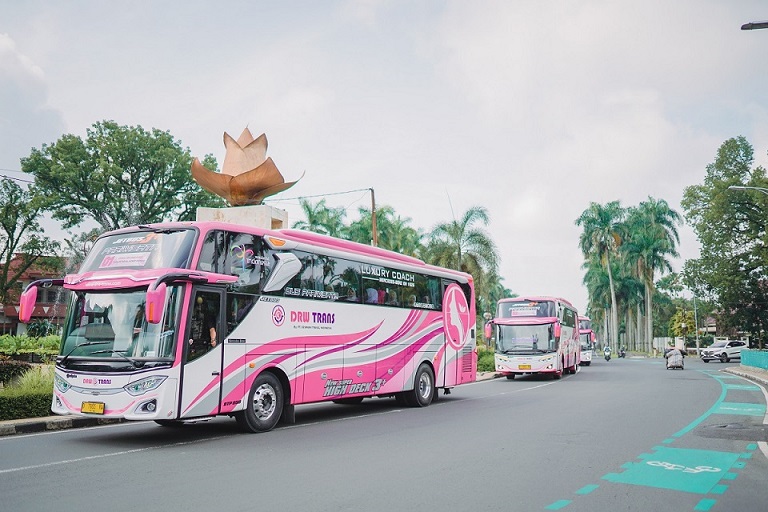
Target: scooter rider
[{"x": 607, "y": 352}]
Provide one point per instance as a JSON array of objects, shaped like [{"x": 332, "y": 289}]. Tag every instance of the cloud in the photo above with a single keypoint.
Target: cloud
[{"x": 27, "y": 118}]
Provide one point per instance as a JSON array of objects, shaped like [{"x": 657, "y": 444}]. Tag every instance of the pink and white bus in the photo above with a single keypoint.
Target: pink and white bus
[
  {"x": 586, "y": 340},
  {"x": 185, "y": 321},
  {"x": 535, "y": 335}
]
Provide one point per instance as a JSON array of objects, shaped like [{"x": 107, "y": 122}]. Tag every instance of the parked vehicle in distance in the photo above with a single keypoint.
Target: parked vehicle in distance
[{"x": 723, "y": 350}]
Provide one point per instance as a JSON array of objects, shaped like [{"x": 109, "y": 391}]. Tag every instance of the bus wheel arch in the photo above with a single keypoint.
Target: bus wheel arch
[
  {"x": 265, "y": 403},
  {"x": 423, "y": 390}
]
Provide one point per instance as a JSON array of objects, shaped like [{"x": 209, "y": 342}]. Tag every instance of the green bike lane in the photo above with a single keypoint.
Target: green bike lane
[{"x": 717, "y": 462}]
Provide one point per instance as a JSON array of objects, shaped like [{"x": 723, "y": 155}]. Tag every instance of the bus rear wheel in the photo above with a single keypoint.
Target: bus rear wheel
[
  {"x": 264, "y": 406},
  {"x": 423, "y": 387}
]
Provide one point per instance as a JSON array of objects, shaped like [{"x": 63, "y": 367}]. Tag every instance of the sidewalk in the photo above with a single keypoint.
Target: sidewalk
[{"x": 749, "y": 372}]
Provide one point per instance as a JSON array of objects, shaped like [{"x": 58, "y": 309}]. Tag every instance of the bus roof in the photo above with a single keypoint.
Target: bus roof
[
  {"x": 536, "y": 298},
  {"x": 306, "y": 238}
]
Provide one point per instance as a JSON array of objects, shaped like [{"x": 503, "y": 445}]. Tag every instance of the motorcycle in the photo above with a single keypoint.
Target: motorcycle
[
  {"x": 622, "y": 353},
  {"x": 607, "y": 354}
]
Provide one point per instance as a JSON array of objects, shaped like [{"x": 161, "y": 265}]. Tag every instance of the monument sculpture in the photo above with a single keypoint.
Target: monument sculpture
[{"x": 247, "y": 175}]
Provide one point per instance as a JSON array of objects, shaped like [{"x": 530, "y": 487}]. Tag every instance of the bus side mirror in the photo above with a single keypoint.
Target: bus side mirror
[
  {"x": 155, "y": 304},
  {"x": 557, "y": 330},
  {"x": 488, "y": 330},
  {"x": 27, "y": 304}
]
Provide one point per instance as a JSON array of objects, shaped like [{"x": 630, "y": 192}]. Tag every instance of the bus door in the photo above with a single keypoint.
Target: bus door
[{"x": 203, "y": 353}]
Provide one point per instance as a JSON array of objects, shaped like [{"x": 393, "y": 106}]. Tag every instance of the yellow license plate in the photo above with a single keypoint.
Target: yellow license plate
[
  {"x": 93, "y": 407},
  {"x": 523, "y": 367}
]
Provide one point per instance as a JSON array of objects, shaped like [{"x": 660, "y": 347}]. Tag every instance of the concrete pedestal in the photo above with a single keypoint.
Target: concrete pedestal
[{"x": 260, "y": 216}]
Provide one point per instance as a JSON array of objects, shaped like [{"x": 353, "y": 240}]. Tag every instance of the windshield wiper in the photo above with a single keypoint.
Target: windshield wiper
[
  {"x": 84, "y": 344},
  {"x": 133, "y": 362}
]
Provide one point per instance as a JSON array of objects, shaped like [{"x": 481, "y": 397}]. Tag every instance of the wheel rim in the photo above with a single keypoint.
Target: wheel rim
[
  {"x": 425, "y": 386},
  {"x": 264, "y": 401}
]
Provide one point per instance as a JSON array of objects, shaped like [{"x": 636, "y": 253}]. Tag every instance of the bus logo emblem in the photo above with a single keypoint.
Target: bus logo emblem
[
  {"x": 456, "y": 316},
  {"x": 278, "y": 315}
]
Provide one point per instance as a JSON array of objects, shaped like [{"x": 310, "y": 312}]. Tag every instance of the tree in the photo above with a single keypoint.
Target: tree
[
  {"x": 461, "y": 245},
  {"x": 118, "y": 176},
  {"x": 22, "y": 244},
  {"x": 651, "y": 237},
  {"x": 320, "y": 218},
  {"x": 602, "y": 237},
  {"x": 731, "y": 227}
]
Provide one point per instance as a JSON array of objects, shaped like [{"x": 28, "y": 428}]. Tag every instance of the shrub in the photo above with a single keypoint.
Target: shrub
[
  {"x": 10, "y": 369},
  {"x": 485, "y": 360},
  {"x": 29, "y": 395}
]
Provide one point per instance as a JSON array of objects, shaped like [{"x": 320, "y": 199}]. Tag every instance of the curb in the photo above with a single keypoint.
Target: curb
[
  {"x": 34, "y": 425},
  {"x": 754, "y": 374}
]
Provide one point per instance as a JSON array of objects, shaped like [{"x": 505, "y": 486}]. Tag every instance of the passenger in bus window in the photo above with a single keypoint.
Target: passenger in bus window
[
  {"x": 371, "y": 296},
  {"x": 351, "y": 295},
  {"x": 392, "y": 298}
]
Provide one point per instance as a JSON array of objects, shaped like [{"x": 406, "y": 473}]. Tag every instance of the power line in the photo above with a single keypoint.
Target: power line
[
  {"x": 14, "y": 178},
  {"x": 320, "y": 195}
]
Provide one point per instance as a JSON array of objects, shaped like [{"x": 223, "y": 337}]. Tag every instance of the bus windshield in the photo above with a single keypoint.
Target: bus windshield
[
  {"x": 168, "y": 248},
  {"x": 517, "y": 339},
  {"x": 111, "y": 327}
]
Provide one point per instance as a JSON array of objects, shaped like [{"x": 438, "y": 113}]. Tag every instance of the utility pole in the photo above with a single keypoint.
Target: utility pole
[{"x": 374, "y": 230}]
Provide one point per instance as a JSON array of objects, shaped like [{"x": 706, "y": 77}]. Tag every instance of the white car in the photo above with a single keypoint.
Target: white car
[{"x": 723, "y": 350}]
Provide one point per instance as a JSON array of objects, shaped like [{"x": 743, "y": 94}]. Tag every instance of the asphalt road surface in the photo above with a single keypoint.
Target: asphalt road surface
[{"x": 620, "y": 435}]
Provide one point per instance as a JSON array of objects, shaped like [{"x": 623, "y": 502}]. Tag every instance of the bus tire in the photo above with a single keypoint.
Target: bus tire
[
  {"x": 264, "y": 406},
  {"x": 558, "y": 372},
  {"x": 511, "y": 376},
  {"x": 423, "y": 387}
]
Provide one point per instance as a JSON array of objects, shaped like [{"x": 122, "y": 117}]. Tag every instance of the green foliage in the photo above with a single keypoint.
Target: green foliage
[
  {"x": 10, "y": 369},
  {"x": 118, "y": 176},
  {"x": 38, "y": 379},
  {"x": 28, "y": 395},
  {"x": 20, "y": 236},
  {"x": 40, "y": 327},
  {"x": 18, "y": 345},
  {"x": 485, "y": 360},
  {"x": 730, "y": 224},
  {"x": 16, "y": 405}
]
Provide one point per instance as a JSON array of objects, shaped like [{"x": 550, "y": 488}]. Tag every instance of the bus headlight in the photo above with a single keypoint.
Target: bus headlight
[
  {"x": 142, "y": 386},
  {"x": 61, "y": 383}
]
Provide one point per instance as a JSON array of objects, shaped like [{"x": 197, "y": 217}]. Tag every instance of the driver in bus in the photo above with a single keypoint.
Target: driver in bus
[{"x": 203, "y": 329}]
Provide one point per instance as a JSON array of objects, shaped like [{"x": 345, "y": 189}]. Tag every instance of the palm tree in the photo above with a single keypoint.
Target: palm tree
[
  {"x": 321, "y": 218},
  {"x": 652, "y": 237},
  {"x": 459, "y": 244},
  {"x": 602, "y": 237}
]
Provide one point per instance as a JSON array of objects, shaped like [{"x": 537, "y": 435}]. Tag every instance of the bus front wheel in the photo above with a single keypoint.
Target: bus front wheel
[
  {"x": 264, "y": 406},
  {"x": 423, "y": 387}
]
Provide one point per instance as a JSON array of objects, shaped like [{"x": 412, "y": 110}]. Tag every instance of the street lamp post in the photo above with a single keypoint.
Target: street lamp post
[
  {"x": 754, "y": 25},
  {"x": 741, "y": 187}
]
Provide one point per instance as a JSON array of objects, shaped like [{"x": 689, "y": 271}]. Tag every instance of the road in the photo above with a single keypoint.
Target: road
[{"x": 620, "y": 435}]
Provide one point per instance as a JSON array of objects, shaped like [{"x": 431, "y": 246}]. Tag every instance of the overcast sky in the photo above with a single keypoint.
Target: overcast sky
[{"x": 532, "y": 109}]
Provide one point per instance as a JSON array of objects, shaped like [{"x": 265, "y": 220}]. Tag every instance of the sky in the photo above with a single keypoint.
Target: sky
[{"x": 532, "y": 109}]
